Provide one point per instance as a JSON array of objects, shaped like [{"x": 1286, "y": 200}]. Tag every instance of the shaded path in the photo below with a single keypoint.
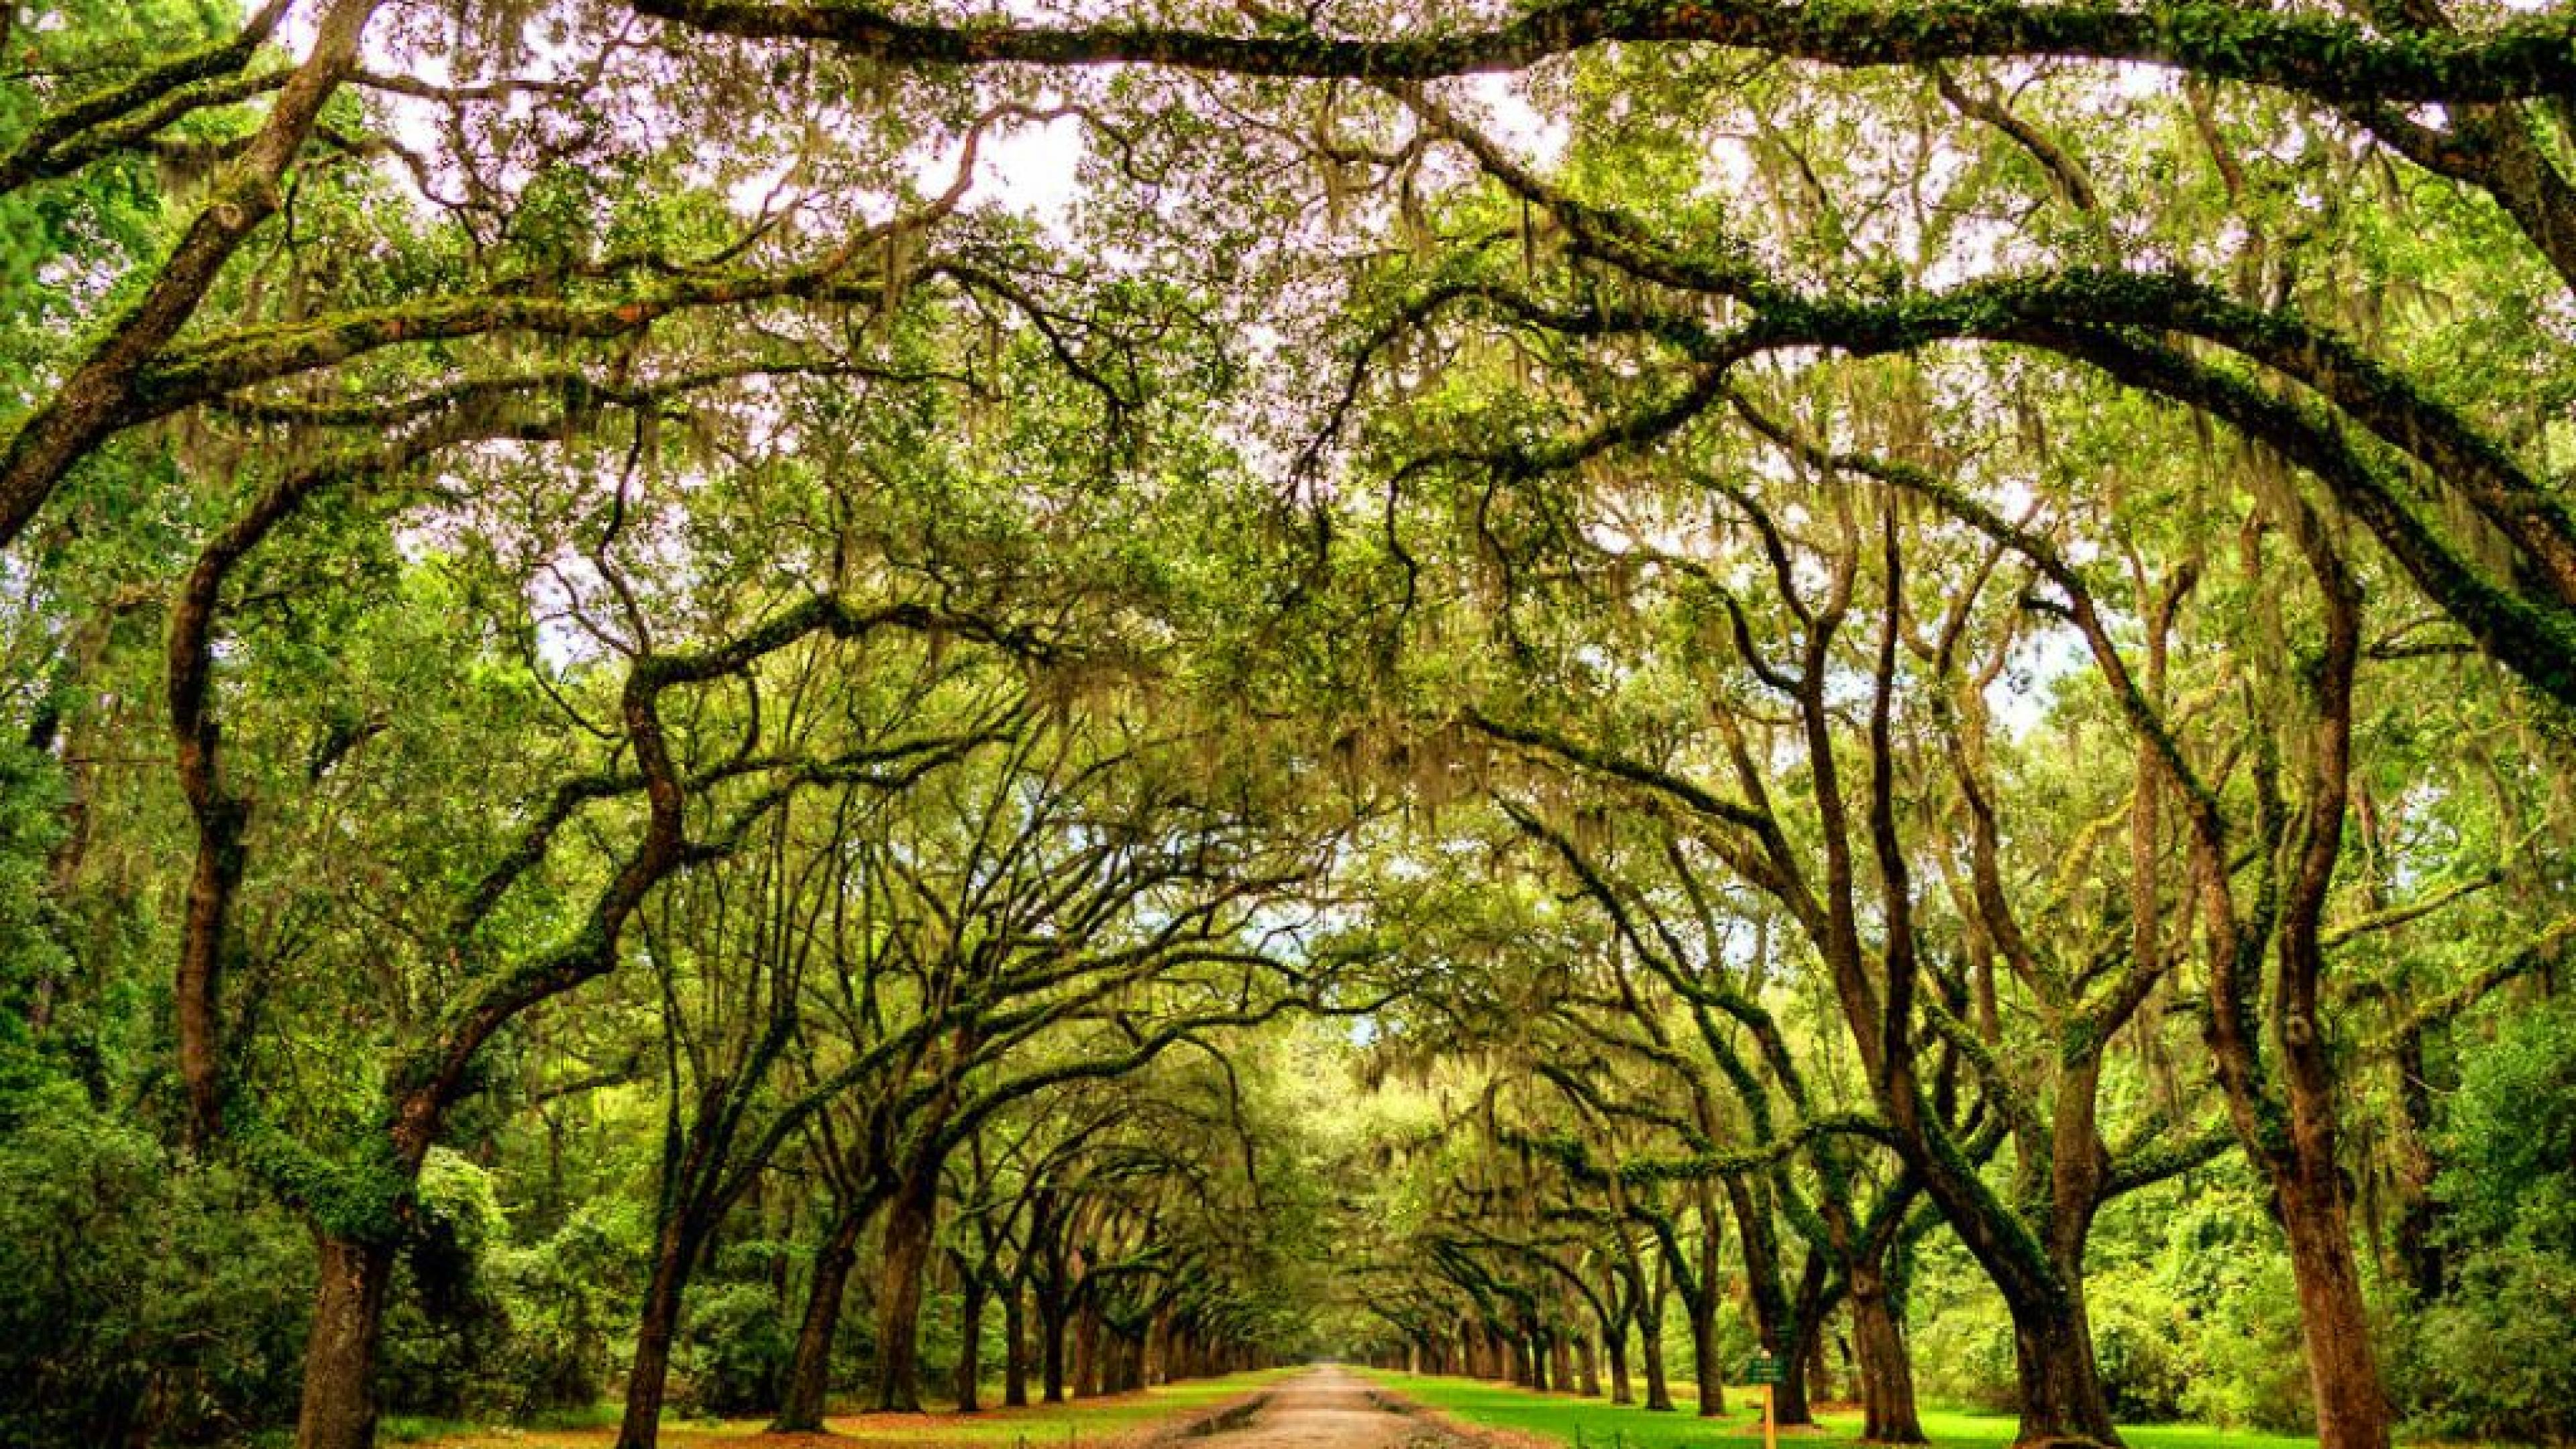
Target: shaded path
[{"x": 1327, "y": 1407}]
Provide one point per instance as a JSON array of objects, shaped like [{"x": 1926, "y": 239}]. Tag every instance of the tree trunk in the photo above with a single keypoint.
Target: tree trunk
[
  {"x": 908, "y": 1231},
  {"x": 809, "y": 1374},
  {"x": 1015, "y": 1345},
  {"x": 648, "y": 1376},
  {"x": 1614, "y": 1346},
  {"x": 970, "y": 1341},
  {"x": 1560, "y": 1360},
  {"x": 1799, "y": 1345},
  {"x": 1650, "y": 1355},
  {"x": 2061, "y": 1386},
  {"x": 1588, "y": 1365},
  {"x": 1051, "y": 1324},
  {"x": 675, "y": 1257},
  {"x": 2419, "y": 1220},
  {"x": 1708, "y": 1370},
  {"x": 1886, "y": 1364},
  {"x": 2352, "y": 1408},
  {"x": 1086, "y": 1349},
  {"x": 339, "y": 1408}
]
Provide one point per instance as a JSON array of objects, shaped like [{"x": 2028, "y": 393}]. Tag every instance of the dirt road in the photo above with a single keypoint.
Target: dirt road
[{"x": 1323, "y": 1408}]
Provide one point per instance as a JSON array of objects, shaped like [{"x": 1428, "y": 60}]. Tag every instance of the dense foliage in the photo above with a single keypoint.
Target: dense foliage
[{"x": 731, "y": 707}]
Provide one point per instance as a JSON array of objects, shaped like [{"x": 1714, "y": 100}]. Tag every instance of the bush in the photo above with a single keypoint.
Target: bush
[
  {"x": 734, "y": 1351},
  {"x": 2139, "y": 1343},
  {"x": 568, "y": 1297},
  {"x": 2499, "y": 1356},
  {"x": 145, "y": 1299},
  {"x": 1964, "y": 1355},
  {"x": 2252, "y": 1355}
]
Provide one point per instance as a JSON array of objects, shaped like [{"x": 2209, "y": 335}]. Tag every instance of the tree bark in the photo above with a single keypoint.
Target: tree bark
[
  {"x": 1614, "y": 1345},
  {"x": 1799, "y": 1343},
  {"x": 1886, "y": 1365},
  {"x": 648, "y": 1376},
  {"x": 809, "y": 1374},
  {"x": 1650, "y": 1354},
  {"x": 339, "y": 1406},
  {"x": 2061, "y": 1386},
  {"x": 1051, "y": 1326},
  {"x": 1086, "y": 1348},
  {"x": 2419, "y": 1222},
  {"x": 2352, "y": 1408},
  {"x": 909, "y": 1227},
  {"x": 1015, "y": 1345}
]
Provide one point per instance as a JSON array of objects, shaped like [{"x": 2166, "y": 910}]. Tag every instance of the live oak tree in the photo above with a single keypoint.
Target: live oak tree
[{"x": 2023, "y": 542}]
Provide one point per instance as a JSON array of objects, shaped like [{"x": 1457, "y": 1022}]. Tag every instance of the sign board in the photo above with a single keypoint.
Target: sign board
[{"x": 1762, "y": 1368}]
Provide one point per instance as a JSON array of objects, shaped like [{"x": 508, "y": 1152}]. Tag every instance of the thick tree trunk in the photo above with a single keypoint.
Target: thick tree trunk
[
  {"x": 908, "y": 1231},
  {"x": 1588, "y": 1364},
  {"x": 2060, "y": 1383},
  {"x": 2061, "y": 1386},
  {"x": 1886, "y": 1364},
  {"x": 1776, "y": 1317},
  {"x": 2352, "y": 1408},
  {"x": 1799, "y": 1344},
  {"x": 809, "y": 1373},
  {"x": 1015, "y": 1345},
  {"x": 1560, "y": 1361},
  {"x": 339, "y": 1408}
]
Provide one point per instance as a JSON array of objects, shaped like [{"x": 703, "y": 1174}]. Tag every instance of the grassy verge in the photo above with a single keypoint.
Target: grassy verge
[
  {"x": 1040, "y": 1426},
  {"x": 1595, "y": 1424}
]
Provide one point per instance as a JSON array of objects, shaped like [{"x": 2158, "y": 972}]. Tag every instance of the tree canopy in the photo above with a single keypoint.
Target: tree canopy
[{"x": 753, "y": 704}]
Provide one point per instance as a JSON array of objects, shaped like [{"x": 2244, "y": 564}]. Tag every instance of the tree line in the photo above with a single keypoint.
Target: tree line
[{"x": 1846, "y": 635}]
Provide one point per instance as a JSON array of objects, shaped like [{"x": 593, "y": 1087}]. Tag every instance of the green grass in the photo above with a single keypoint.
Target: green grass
[{"x": 1597, "y": 1424}]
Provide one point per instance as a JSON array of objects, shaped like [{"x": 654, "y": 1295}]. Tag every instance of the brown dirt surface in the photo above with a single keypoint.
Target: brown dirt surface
[{"x": 1332, "y": 1408}]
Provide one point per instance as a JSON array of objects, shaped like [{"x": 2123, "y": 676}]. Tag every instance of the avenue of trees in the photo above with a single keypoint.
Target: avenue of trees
[{"x": 752, "y": 708}]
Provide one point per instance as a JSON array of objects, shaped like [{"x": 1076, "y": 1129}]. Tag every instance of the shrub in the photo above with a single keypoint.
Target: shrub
[
  {"x": 1964, "y": 1354},
  {"x": 2139, "y": 1343},
  {"x": 2252, "y": 1356},
  {"x": 146, "y": 1298},
  {"x": 734, "y": 1350}
]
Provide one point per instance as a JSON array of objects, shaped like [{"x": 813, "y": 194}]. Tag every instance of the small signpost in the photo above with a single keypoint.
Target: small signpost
[{"x": 1763, "y": 1371}]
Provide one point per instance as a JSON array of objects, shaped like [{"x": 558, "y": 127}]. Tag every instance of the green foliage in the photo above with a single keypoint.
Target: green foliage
[
  {"x": 148, "y": 1298},
  {"x": 2512, "y": 1174},
  {"x": 735, "y": 1350},
  {"x": 568, "y": 1298},
  {"x": 2498, "y": 1358}
]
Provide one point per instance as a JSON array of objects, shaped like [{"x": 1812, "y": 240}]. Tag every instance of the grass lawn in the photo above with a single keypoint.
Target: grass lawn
[
  {"x": 1598, "y": 1424},
  {"x": 1040, "y": 1426}
]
